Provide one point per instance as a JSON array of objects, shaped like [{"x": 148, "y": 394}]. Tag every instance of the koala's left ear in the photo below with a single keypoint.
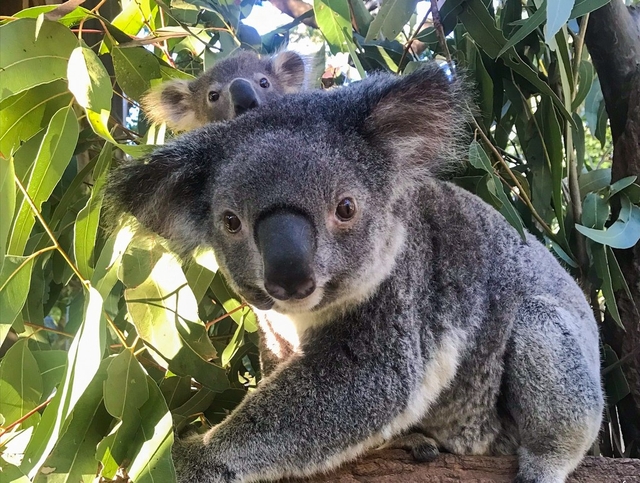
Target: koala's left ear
[
  {"x": 421, "y": 118},
  {"x": 167, "y": 192},
  {"x": 289, "y": 67}
]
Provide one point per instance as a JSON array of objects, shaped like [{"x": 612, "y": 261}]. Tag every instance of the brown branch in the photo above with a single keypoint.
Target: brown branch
[
  {"x": 295, "y": 9},
  {"x": 386, "y": 466}
]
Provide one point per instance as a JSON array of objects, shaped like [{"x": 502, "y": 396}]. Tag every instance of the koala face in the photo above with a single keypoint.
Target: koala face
[
  {"x": 303, "y": 239},
  {"x": 304, "y": 201},
  {"x": 231, "y": 87}
]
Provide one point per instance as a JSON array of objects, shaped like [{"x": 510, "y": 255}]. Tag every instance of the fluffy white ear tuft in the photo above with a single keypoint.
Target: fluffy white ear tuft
[
  {"x": 421, "y": 118},
  {"x": 290, "y": 68},
  {"x": 173, "y": 103}
]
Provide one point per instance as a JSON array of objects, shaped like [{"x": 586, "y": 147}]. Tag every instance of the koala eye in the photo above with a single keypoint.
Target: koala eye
[
  {"x": 264, "y": 83},
  {"x": 346, "y": 209},
  {"x": 231, "y": 222},
  {"x": 213, "y": 96}
]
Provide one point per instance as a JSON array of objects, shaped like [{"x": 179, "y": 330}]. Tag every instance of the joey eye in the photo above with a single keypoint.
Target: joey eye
[
  {"x": 346, "y": 209},
  {"x": 231, "y": 222},
  {"x": 264, "y": 83},
  {"x": 213, "y": 96}
]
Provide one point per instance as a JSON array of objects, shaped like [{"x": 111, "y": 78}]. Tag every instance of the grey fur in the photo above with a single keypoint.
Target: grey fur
[
  {"x": 185, "y": 105},
  {"x": 429, "y": 311}
]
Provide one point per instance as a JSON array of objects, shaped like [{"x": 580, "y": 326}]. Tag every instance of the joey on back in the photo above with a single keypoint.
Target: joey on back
[
  {"x": 390, "y": 299},
  {"x": 230, "y": 88}
]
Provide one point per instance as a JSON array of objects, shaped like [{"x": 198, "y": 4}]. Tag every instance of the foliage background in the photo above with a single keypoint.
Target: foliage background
[{"x": 109, "y": 341}]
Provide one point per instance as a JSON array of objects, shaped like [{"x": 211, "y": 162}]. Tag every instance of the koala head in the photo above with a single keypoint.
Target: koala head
[
  {"x": 305, "y": 201},
  {"x": 231, "y": 87}
]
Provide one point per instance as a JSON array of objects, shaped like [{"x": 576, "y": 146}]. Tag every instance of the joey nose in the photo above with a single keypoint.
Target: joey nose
[
  {"x": 287, "y": 244},
  {"x": 243, "y": 96}
]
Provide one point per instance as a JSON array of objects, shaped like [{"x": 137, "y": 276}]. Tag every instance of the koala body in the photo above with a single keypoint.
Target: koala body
[
  {"x": 392, "y": 300},
  {"x": 231, "y": 87}
]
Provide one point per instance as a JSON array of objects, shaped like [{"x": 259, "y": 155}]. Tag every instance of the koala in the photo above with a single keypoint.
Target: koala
[
  {"x": 392, "y": 300},
  {"x": 230, "y": 88}
]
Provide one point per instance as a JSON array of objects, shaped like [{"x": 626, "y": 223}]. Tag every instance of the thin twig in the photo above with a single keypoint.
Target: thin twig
[
  {"x": 25, "y": 417},
  {"x": 413, "y": 38},
  {"x": 437, "y": 23},
  {"x": 224, "y": 316}
]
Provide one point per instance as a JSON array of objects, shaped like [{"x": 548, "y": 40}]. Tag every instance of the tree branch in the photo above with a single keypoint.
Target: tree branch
[{"x": 295, "y": 8}]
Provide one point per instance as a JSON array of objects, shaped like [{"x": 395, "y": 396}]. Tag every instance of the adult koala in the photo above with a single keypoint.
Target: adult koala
[{"x": 390, "y": 299}]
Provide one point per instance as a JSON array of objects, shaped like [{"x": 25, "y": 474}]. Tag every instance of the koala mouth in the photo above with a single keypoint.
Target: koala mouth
[{"x": 256, "y": 297}]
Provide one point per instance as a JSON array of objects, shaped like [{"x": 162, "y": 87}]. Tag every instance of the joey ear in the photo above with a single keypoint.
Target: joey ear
[
  {"x": 420, "y": 118},
  {"x": 167, "y": 193},
  {"x": 289, "y": 67},
  {"x": 172, "y": 102}
]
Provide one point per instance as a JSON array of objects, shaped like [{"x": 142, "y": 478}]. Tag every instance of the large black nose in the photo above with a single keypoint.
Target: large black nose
[
  {"x": 243, "y": 96},
  {"x": 287, "y": 243}
]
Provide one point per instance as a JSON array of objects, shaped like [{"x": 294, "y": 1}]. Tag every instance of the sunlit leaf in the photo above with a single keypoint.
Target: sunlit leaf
[
  {"x": 165, "y": 313},
  {"x": 53, "y": 157},
  {"x": 135, "y": 68},
  {"x": 391, "y": 18},
  {"x": 20, "y": 382},
  {"x": 86, "y": 226},
  {"x": 27, "y": 60},
  {"x": 15, "y": 279},
  {"x": 7, "y": 202},
  {"x": 84, "y": 359}
]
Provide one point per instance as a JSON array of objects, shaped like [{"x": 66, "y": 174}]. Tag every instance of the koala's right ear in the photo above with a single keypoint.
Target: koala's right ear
[
  {"x": 290, "y": 68},
  {"x": 172, "y": 102},
  {"x": 166, "y": 193}
]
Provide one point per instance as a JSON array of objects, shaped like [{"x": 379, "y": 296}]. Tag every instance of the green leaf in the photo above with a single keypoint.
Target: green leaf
[
  {"x": 199, "y": 279},
  {"x": 20, "y": 382},
  {"x": 90, "y": 84},
  {"x": 15, "y": 278},
  {"x": 125, "y": 392},
  {"x": 507, "y": 209},
  {"x": 135, "y": 68},
  {"x": 196, "y": 405},
  {"x": 152, "y": 463},
  {"x": 12, "y": 473},
  {"x": 595, "y": 211},
  {"x": 615, "y": 382},
  {"x": 135, "y": 16},
  {"x": 51, "y": 364},
  {"x": 31, "y": 57},
  {"x": 53, "y": 157},
  {"x": 86, "y": 227},
  {"x": 624, "y": 233},
  {"x": 594, "y": 180},
  {"x": 558, "y": 13},
  {"x": 621, "y": 185},
  {"x": 586, "y": 73},
  {"x": 478, "y": 157},
  {"x": 391, "y": 18},
  {"x": 126, "y": 386},
  {"x": 25, "y": 114},
  {"x": 481, "y": 26},
  {"x": 529, "y": 26},
  {"x": 601, "y": 264},
  {"x": 583, "y": 7},
  {"x": 361, "y": 16},
  {"x": 176, "y": 390},
  {"x": 231, "y": 303},
  {"x": 165, "y": 313},
  {"x": 73, "y": 457},
  {"x": 233, "y": 345},
  {"x": 7, "y": 201},
  {"x": 83, "y": 362},
  {"x": 334, "y": 19}
]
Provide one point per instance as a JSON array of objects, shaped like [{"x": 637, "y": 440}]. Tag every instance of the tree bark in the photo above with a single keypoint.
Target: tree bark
[
  {"x": 295, "y": 8},
  {"x": 613, "y": 40},
  {"x": 393, "y": 466}
]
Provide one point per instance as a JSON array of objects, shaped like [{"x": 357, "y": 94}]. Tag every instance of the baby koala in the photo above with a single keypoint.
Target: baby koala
[{"x": 229, "y": 88}]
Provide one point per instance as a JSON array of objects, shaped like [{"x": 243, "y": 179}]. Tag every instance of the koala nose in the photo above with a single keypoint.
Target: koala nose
[
  {"x": 243, "y": 96},
  {"x": 286, "y": 241}
]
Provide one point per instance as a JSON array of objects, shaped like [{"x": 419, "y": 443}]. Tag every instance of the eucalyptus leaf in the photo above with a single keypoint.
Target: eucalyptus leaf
[{"x": 31, "y": 57}]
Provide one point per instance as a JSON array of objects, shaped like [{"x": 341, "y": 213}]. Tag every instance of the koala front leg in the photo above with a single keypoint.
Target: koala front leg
[{"x": 315, "y": 411}]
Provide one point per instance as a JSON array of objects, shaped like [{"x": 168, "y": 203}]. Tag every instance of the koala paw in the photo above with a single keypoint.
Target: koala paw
[
  {"x": 422, "y": 448},
  {"x": 196, "y": 462}
]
